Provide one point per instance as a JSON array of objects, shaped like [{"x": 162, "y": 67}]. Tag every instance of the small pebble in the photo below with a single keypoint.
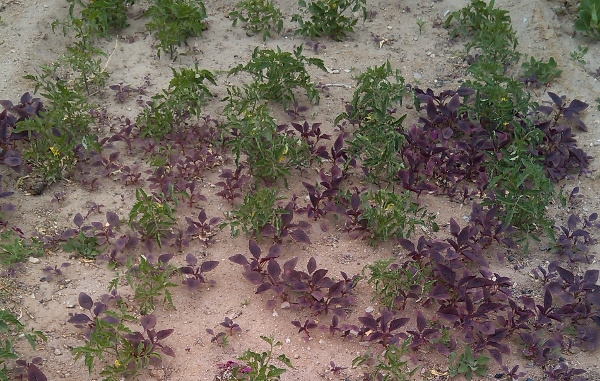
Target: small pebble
[
  {"x": 70, "y": 304},
  {"x": 369, "y": 309},
  {"x": 275, "y": 314},
  {"x": 285, "y": 305},
  {"x": 34, "y": 260},
  {"x": 57, "y": 352}
]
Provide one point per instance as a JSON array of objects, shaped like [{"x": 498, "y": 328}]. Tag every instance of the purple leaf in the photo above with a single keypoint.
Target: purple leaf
[
  {"x": 208, "y": 266},
  {"x": 254, "y": 249},
  {"x": 148, "y": 321},
  {"x": 168, "y": 351},
  {"x": 274, "y": 269},
  {"x": 300, "y": 235},
  {"x": 421, "y": 321},
  {"x": 398, "y": 323},
  {"x": 79, "y": 319},
  {"x": 112, "y": 218},
  {"x": 78, "y": 220},
  {"x": 239, "y": 259},
  {"x": 312, "y": 265},
  {"x": 85, "y": 301},
  {"x": 253, "y": 277},
  {"x": 35, "y": 374},
  {"x": 191, "y": 259},
  {"x": 160, "y": 335}
]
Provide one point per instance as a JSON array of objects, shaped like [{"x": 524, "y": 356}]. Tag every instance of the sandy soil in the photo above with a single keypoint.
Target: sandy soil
[{"x": 427, "y": 59}]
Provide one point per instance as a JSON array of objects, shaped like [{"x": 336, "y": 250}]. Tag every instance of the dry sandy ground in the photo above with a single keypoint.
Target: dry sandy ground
[{"x": 428, "y": 59}]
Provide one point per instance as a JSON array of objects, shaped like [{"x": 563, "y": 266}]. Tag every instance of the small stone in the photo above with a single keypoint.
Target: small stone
[
  {"x": 369, "y": 309},
  {"x": 287, "y": 341},
  {"x": 417, "y": 75},
  {"x": 70, "y": 304},
  {"x": 285, "y": 305},
  {"x": 32, "y": 296},
  {"x": 57, "y": 352},
  {"x": 34, "y": 260},
  {"x": 275, "y": 314},
  {"x": 321, "y": 341}
]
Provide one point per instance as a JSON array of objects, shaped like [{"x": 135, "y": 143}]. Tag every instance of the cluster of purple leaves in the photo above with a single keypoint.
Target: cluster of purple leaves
[
  {"x": 28, "y": 107},
  {"x": 106, "y": 233},
  {"x": 309, "y": 289},
  {"x": 233, "y": 183},
  {"x": 221, "y": 337},
  {"x": 29, "y": 371},
  {"x": 5, "y": 206},
  {"x": 481, "y": 308},
  {"x": 189, "y": 151},
  {"x": 194, "y": 274},
  {"x": 55, "y": 271},
  {"x": 123, "y": 92},
  {"x": 450, "y": 149},
  {"x": 144, "y": 342},
  {"x": 575, "y": 239}
]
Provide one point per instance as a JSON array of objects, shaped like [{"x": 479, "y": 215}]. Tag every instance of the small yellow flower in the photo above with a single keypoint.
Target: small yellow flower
[
  {"x": 55, "y": 151},
  {"x": 117, "y": 363}
]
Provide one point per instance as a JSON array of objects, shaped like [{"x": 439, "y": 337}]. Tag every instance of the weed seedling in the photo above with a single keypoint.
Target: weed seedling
[
  {"x": 150, "y": 280},
  {"x": 327, "y": 18},
  {"x": 258, "y": 210},
  {"x": 578, "y": 54},
  {"x": 260, "y": 16},
  {"x": 111, "y": 339},
  {"x": 257, "y": 366},
  {"x": 468, "y": 364},
  {"x": 14, "y": 248},
  {"x": 589, "y": 18},
  {"x": 277, "y": 73},
  {"x": 421, "y": 24},
  {"x": 536, "y": 73},
  {"x": 174, "y": 21},
  {"x": 152, "y": 215}
]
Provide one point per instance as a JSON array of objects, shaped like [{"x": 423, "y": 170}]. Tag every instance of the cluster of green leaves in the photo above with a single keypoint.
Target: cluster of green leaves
[
  {"x": 271, "y": 152},
  {"x": 392, "y": 282},
  {"x": 379, "y": 139},
  {"x": 61, "y": 132},
  {"x": 277, "y": 74},
  {"x": 174, "y": 21},
  {"x": 185, "y": 96},
  {"x": 391, "y": 365},
  {"x": 102, "y": 17},
  {"x": 111, "y": 336},
  {"x": 492, "y": 31},
  {"x": 152, "y": 215},
  {"x": 468, "y": 364},
  {"x": 258, "y": 210},
  {"x": 11, "y": 329},
  {"x": 14, "y": 248},
  {"x": 84, "y": 246},
  {"x": 260, "y": 16},
  {"x": 82, "y": 56},
  {"x": 261, "y": 364},
  {"x": 578, "y": 54},
  {"x": 327, "y": 18},
  {"x": 543, "y": 72},
  {"x": 522, "y": 188},
  {"x": 392, "y": 215},
  {"x": 589, "y": 18},
  {"x": 518, "y": 181},
  {"x": 150, "y": 281}
]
